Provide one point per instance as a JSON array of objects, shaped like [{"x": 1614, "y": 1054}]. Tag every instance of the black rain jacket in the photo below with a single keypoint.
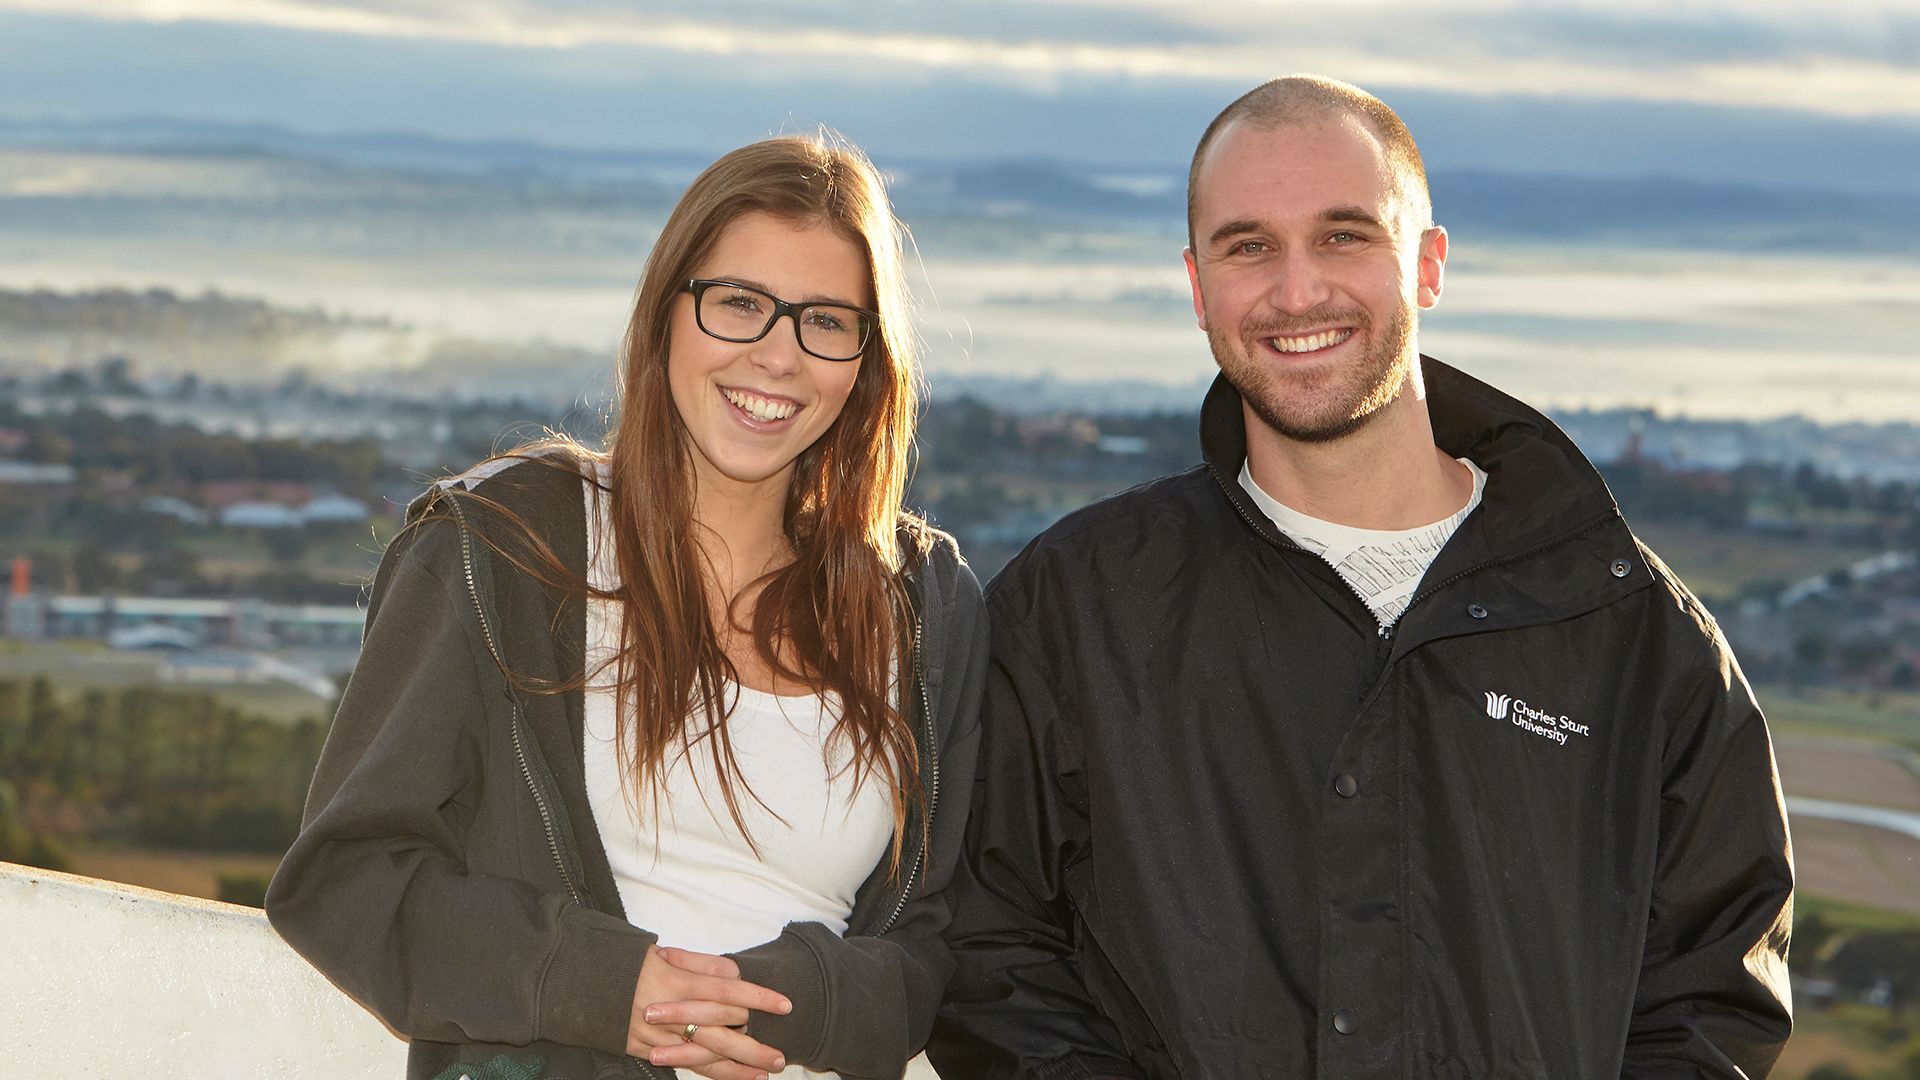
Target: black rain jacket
[{"x": 1225, "y": 827}]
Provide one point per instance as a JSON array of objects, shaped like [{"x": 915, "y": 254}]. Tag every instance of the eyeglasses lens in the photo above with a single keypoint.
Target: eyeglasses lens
[{"x": 829, "y": 331}]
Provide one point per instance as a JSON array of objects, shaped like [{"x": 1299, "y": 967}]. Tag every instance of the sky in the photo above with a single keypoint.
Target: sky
[
  {"x": 1782, "y": 93},
  {"x": 1818, "y": 104}
]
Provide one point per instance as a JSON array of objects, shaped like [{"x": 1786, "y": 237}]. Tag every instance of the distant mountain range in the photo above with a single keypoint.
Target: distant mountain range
[
  {"x": 1666, "y": 211},
  {"x": 377, "y": 149}
]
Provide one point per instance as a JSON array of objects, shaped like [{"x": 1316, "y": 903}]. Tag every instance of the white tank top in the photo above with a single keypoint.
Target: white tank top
[{"x": 693, "y": 880}]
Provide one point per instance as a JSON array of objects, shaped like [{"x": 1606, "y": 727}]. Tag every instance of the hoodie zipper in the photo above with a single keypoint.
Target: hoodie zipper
[
  {"x": 933, "y": 781},
  {"x": 634, "y": 1065},
  {"x": 513, "y": 705}
]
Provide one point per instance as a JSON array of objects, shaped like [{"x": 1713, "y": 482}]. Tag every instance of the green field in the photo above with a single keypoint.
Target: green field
[
  {"x": 1889, "y": 717},
  {"x": 1717, "y": 564},
  {"x": 78, "y": 666},
  {"x": 1843, "y": 915},
  {"x": 1868, "y": 1042},
  {"x": 83, "y": 665}
]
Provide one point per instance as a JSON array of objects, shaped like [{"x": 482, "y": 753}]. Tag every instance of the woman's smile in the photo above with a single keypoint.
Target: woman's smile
[{"x": 751, "y": 408}]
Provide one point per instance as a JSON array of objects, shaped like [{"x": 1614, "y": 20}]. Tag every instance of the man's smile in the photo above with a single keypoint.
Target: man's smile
[{"x": 1307, "y": 343}]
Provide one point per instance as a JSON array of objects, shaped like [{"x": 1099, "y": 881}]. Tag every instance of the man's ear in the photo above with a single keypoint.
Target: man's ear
[
  {"x": 1432, "y": 267},
  {"x": 1193, "y": 279}
]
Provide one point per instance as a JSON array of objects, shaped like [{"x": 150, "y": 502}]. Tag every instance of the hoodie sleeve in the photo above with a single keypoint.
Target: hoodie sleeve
[{"x": 376, "y": 891}]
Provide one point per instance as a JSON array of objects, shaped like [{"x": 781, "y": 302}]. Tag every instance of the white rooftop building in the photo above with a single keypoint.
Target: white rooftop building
[
  {"x": 261, "y": 515},
  {"x": 334, "y": 509}
]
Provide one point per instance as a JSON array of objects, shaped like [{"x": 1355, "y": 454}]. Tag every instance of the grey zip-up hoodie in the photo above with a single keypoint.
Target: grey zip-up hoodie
[{"x": 449, "y": 876}]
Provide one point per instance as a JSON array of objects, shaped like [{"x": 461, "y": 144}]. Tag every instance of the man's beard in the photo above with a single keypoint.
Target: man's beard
[{"x": 1325, "y": 406}]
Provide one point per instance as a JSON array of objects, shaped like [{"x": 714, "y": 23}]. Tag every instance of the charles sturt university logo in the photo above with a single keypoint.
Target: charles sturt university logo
[{"x": 1532, "y": 719}]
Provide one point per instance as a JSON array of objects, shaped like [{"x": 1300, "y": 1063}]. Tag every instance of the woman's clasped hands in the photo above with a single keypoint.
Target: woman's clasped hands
[{"x": 687, "y": 1010}]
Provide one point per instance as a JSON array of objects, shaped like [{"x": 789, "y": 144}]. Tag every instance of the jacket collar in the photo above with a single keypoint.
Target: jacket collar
[{"x": 1539, "y": 485}]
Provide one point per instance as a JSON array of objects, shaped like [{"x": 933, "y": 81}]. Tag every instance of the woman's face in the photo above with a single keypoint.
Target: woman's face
[{"x": 750, "y": 408}]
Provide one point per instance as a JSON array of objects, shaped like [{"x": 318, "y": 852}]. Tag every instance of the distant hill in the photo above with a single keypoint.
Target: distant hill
[
  {"x": 1664, "y": 211},
  {"x": 379, "y": 149},
  {"x": 248, "y": 340},
  {"x": 1669, "y": 212},
  {"x": 162, "y": 312}
]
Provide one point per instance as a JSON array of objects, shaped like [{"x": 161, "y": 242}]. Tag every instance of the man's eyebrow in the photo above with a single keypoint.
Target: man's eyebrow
[
  {"x": 1349, "y": 215},
  {"x": 1353, "y": 215},
  {"x": 1232, "y": 228}
]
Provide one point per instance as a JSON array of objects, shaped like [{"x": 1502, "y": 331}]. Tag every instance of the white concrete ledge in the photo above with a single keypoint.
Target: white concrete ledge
[{"x": 105, "y": 980}]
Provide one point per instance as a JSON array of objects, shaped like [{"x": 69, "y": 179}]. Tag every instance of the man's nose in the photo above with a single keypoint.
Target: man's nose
[{"x": 1299, "y": 283}]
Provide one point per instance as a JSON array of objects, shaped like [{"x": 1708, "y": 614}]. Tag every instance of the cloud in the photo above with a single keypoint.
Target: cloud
[
  {"x": 1690, "y": 36},
  {"x": 1843, "y": 60}
]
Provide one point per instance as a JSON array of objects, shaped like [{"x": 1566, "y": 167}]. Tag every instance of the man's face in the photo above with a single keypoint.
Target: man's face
[{"x": 1307, "y": 273}]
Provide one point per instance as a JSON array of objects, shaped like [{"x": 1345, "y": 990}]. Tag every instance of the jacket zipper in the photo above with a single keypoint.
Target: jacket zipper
[
  {"x": 1574, "y": 533},
  {"x": 513, "y": 705},
  {"x": 1385, "y": 633},
  {"x": 933, "y": 782}
]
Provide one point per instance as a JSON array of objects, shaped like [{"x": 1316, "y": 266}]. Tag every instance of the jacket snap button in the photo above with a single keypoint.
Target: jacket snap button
[
  {"x": 1346, "y": 785},
  {"x": 1476, "y": 611},
  {"x": 1345, "y": 1022},
  {"x": 1621, "y": 568}
]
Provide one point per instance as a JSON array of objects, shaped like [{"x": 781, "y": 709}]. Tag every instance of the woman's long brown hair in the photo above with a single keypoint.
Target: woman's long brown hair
[{"x": 834, "y": 618}]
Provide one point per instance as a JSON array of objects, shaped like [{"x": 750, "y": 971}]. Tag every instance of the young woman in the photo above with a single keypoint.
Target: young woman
[{"x": 658, "y": 756}]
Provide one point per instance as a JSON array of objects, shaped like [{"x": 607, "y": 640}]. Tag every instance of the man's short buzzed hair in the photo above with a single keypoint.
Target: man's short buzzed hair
[{"x": 1296, "y": 99}]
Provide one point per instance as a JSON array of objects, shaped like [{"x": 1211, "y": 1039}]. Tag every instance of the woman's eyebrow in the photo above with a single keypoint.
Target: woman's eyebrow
[{"x": 816, "y": 298}]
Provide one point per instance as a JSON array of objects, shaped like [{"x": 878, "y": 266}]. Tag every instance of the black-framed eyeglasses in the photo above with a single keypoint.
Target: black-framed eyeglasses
[{"x": 740, "y": 313}]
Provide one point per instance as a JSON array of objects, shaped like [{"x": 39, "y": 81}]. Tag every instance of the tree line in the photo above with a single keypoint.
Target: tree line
[{"x": 146, "y": 766}]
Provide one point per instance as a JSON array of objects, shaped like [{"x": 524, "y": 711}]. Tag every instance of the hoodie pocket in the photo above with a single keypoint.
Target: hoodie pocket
[{"x": 499, "y": 1067}]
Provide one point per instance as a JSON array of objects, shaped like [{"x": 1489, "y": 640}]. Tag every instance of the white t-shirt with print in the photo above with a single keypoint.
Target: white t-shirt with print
[{"x": 1383, "y": 565}]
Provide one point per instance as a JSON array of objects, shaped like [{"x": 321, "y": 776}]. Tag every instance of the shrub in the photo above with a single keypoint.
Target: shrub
[{"x": 248, "y": 889}]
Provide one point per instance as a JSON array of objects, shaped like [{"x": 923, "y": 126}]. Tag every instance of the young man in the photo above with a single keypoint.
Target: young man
[{"x": 1376, "y": 746}]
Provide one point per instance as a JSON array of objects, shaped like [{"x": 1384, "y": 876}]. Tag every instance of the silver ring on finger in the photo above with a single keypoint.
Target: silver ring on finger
[{"x": 688, "y": 1031}]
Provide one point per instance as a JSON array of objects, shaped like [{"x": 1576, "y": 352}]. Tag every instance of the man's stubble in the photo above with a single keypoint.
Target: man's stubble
[{"x": 1323, "y": 407}]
